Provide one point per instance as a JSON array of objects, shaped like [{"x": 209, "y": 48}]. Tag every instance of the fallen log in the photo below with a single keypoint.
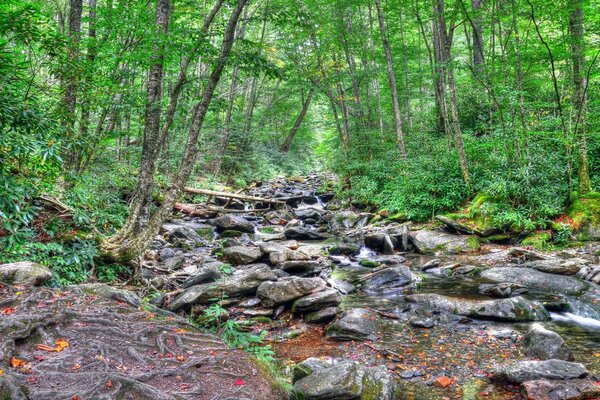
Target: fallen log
[
  {"x": 231, "y": 195},
  {"x": 196, "y": 210}
]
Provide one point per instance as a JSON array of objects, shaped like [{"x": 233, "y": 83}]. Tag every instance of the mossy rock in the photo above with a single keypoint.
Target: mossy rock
[
  {"x": 369, "y": 263},
  {"x": 539, "y": 240},
  {"x": 478, "y": 215},
  {"x": 500, "y": 238},
  {"x": 474, "y": 243},
  {"x": 206, "y": 233},
  {"x": 268, "y": 230},
  {"x": 398, "y": 217},
  {"x": 230, "y": 233},
  {"x": 584, "y": 215}
]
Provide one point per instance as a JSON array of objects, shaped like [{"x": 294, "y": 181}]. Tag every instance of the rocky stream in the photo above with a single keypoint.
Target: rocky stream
[{"x": 354, "y": 305}]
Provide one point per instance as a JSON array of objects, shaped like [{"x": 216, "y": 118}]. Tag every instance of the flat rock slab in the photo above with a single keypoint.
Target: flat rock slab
[
  {"x": 434, "y": 242},
  {"x": 574, "y": 389},
  {"x": 115, "y": 351},
  {"x": 536, "y": 280},
  {"x": 524, "y": 371}
]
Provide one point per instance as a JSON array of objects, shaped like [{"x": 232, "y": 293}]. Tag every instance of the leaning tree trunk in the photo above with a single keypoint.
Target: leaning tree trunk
[
  {"x": 477, "y": 38},
  {"x": 579, "y": 94},
  {"x": 285, "y": 147},
  {"x": 392, "y": 79},
  {"x": 125, "y": 247}
]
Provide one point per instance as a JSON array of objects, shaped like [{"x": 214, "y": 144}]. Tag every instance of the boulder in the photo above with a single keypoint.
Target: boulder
[
  {"x": 184, "y": 235},
  {"x": 523, "y": 371},
  {"x": 557, "y": 266},
  {"x": 338, "y": 382},
  {"x": 317, "y": 301},
  {"x": 574, "y": 389},
  {"x": 166, "y": 253},
  {"x": 544, "y": 344},
  {"x": 344, "y": 220},
  {"x": 307, "y": 367},
  {"x": 301, "y": 268},
  {"x": 321, "y": 316},
  {"x": 374, "y": 241},
  {"x": 25, "y": 273},
  {"x": 233, "y": 222},
  {"x": 388, "y": 278},
  {"x": 308, "y": 214},
  {"x": 209, "y": 272},
  {"x": 434, "y": 242},
  {"x": 515, "y": 309},
  {"x": 353, "y": 324},
  {"x": 174, "y": 263},
  {"x": 343, "y": 249},
  {"x": 456, "y": 225},
  {"x": 502, "y": 289},
  {"x": 286, "y": 290},
  {"x": 242, "y": 282},
  {"x": 302, "y": 233},
  {"x": 241, "y": 255},
  {"x": 536, "y": 280},
  {"x": 272, "y": 247}
]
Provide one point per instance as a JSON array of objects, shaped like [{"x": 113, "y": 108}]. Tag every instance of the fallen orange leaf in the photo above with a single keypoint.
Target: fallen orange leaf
[
  {"x": 1, "y": 372},
  {"x": 75, "y": 367},
  {"x": 180, "y": 357},
  {"x": 7, "y": 311},
  {"x": 16, "y": 363},
  {"x": 443, "y": 381},
  {"x": 43, "y": 347},
  {"x": 61, "y": 344}
]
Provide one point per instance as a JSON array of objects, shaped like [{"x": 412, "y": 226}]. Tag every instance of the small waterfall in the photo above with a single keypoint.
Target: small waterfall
[
  {"x": 366, "y": 252},
  {"x": 586, "y": 322}
]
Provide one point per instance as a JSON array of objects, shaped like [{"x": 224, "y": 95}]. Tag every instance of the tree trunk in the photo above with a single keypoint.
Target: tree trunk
[
  {"x": 579, "y": 94},
  {"x": 285, "y": 147},
  {"x": 477, "y": 38},
  {"x": 126, "y": 247},
  {"x": 392, "y": 79}
]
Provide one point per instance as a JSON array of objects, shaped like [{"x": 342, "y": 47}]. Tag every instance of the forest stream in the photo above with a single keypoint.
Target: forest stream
[{"x": 353, "y": 308}]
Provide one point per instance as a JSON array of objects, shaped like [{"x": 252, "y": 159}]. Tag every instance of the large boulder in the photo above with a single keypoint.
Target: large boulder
[
  {"x": 184, "y": 236},
  {"x": 388, "y": 278},
  {"x": 515, "y": 309},
  {"x": 209, "y": 272},
  {"x": 317, "y": 301},
  {"x": 354, "y": 324},
  {"x": 242, "y": 282},
  {"x": 324, "y": 315},
  {"x": 573, "y": 389},
  {"x": 233, "y": 222},
  {"x": 339, "y": 382},
  {"x": 523, "y": 371},
  {"x": 301, "y": 268},
  {"x": 302, "y": 233},
  {"x": 536, "y": 280},
  {"x": 242, "y": 255},
  {"x": 286, "y": 290},
  {"x": 544, "y": 344},
  {"x": 25, "y": 273},
  {"x": 435, "y": 242}
]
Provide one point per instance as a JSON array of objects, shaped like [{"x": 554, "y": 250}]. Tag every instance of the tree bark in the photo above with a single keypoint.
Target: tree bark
[
  {"x": 579, "y": 94},
  {"x": 392, "y": 80},
  {"x": 285, "y": 147},
  {"x": 477, "y": 38}
]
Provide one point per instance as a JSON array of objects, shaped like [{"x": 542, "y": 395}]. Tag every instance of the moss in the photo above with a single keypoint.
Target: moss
[
  {"x": 398, "y": 217},
  {"x": 230, "y": 233},
  {"x": 268, "y": 230},
  {"x": 473, "y": 243},
  {"x": 372, "y": 390},
  {"x": 369, "y": 263},
  {"x": 539, "y": 240},
  {"x": 205, "y": 233},
  {"x": 584, "y": 216},
  {"x": 500, "y": 238}
]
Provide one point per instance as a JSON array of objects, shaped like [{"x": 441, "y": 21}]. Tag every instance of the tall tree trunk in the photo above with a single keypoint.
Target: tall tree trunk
[
  {"x": 477, "y": 38},
  {"x": 126, "y": 247},
  {"x": 579, "y": 94},
  {"x": 392, "y": 79},
  {"x": 285, "y": 147}
]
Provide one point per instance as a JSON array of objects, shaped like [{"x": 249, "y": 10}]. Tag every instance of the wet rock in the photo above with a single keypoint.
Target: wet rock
[
  {"x": 574, "y": 389},
  {"x": 308, "y": 213},
  {"x": 374, "y": 241},
  {"x": 241, "y": 255},
  {"x": 343, "y": 249},
  {"x": 302, "y": 233},
  {"x": 544, "y": 344},
  {"x": 389, "y": 244},
  {"x": 515, "y": 309},
  {"x": 523, "y": 371},
  {"x": 502, "y": 289},
  {"x": 286, "y": 290},
  {"x": 317, "y": 301},
  {"x": 338, "y": 382},
  {"x": 344, "y": 220},
  {"x": 342, "y": 286},
  {"x": 25, "y": 273},
  {"x": 233, "y": 222},
  {"x": 301, "y": 268},
  {"x": 557, "y": 266},
  {"x": 431, "y": 264},
  {"x": 422, "y": 323},
  {"x": 321, "y": 316},
  {"x": 527, "y": 254},
  {"x": 388, "y": 278},
  {"x": 206, "y": 273},
  {"x": 353, "y": 324},
  {"x": 242, "y": 282},
  {"x": 536, "y": 280},
  {"x": 434, "y": 242}
]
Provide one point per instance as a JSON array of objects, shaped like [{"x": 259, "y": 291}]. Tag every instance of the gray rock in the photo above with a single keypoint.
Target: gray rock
[
  {"x": 338, "y": 382},
  {"x": 242, "y": 282},
  {"x": 241, "y": 255},
  {"x": 233, "y": 222},
  {"x": 544, "y": 344},
  {"x": 308, "y": 214},
  {"x": 374, "y": 241},
  {"x": 302, "y": 233},
  {"x": 307, "y": 367},
  {"x": 174, "y": 263},
  {"x": 515, "y": 309},
  {"x": 502, "y": 289},
  {"x": 557, "y": 266},
  {"x": 343, "y": 249},
  {"x": 388, "y": 278},
  {"x": 574, "y": 389},
  {"x": 286, "y": 290},
  {"x": 317, "y": 301},
  {"x": 324, "y": 315},
  {"x": 108, "y": 292},
  {"x": 344, "y": 220},
  {"x": 25, "y": 273},
  {"x": 422, "y": 323},
  {"x": 523, "y": 371},
  {"x": 434, "y": 242},
  {"x": 436, "y": 262},
  {"x": 301, "y": 268},
  {"x": 272, "y": 247},
  {"x": 206, "y": 273},
  {"x": 354, "y": 324},
  {"x": 166, "y": 253},
  {"x": 379, "y": 384},
  {"x": 536, "y": 280},
  {"x": 456, "y": 226},
  {"x": 184, "y": 234}
]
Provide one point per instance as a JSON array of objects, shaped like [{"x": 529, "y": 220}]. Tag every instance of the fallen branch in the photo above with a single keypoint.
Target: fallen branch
[
  {"x": 197, "y": 210},
  {"x": 231, "y": 195},
  {"x": 57, "y": 204}
]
